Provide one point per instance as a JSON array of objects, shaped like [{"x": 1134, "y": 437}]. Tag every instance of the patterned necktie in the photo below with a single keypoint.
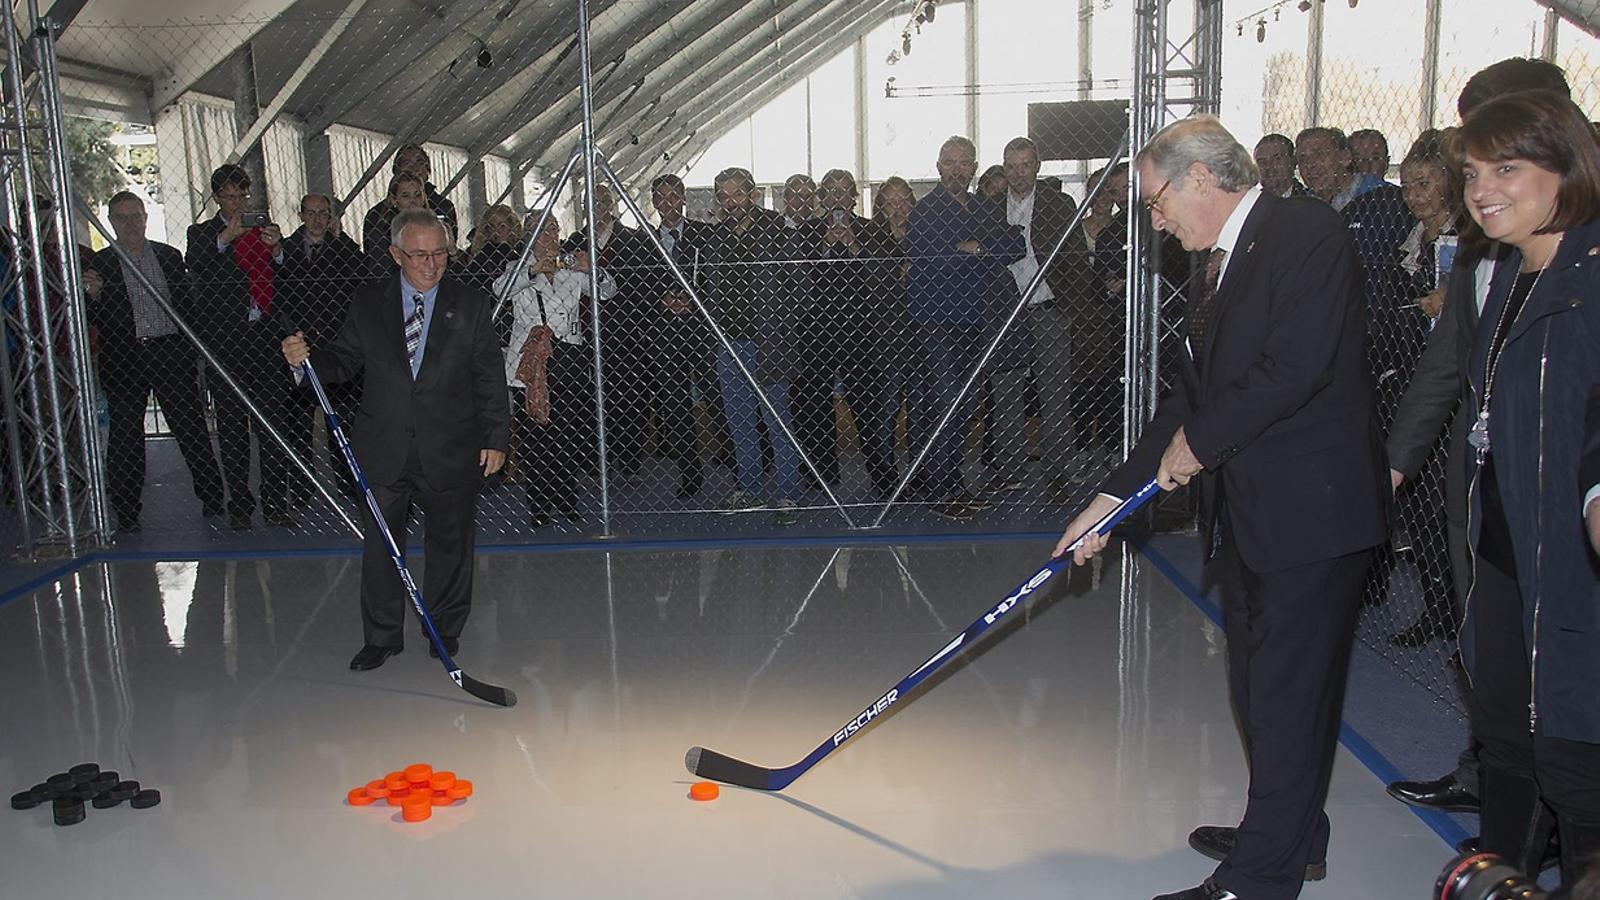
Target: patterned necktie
[
  {"x": 1199, "y": 318},
  {"x": 414, "y": 333}
]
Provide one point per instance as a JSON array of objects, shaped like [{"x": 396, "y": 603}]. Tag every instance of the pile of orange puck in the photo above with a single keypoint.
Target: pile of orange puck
[{"x": 416, "y": 789}]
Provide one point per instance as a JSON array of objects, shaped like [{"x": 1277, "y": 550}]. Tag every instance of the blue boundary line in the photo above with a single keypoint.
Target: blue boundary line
[{"x": 1448, "y": 829}]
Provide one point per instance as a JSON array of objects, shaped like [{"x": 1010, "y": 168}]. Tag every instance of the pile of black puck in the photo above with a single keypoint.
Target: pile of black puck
[{"x": 68, "y": 791}]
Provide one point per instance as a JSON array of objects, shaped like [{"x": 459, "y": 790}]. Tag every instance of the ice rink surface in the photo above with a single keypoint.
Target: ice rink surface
[{"x": 1068, "y": 757}]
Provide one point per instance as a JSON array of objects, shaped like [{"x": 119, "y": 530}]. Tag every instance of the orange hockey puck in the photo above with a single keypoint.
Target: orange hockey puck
[
  {"x": 416, "y": 812},
  {"x": 359, "y": 797},
  {"x": 398, "y": 798},
  {"x": 703, "y": 790},
  {"x": 442, "y": 780},
  {"x": 378, "y": 789},
  {"x": 440, "y": 798},
  {"x": 419, "y": 773},
  {"x": 461, "y": 790},
  {"x": 396, "y": 781}
]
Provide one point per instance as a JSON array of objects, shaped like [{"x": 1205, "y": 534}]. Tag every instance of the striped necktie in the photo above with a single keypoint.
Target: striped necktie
[
  {"x": 1199, "y": 313},
  {"x": 414, "y": 333}
]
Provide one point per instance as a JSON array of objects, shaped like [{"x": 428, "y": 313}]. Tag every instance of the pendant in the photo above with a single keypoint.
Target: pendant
[{"x": 1478, "y": 437}]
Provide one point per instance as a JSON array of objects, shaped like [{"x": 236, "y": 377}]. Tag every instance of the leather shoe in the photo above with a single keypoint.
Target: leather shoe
[
  {"x": 452, "y": 646},
  {"x": 1441, "y": 793},
  {"x": 1217, "y": 841},
  {"x": 1205, "y": 890},
  {"x": 371, "y": 656}
]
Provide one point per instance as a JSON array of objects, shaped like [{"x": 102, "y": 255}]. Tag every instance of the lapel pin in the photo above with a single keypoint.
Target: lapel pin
[{"x": 1251, "y": 248}]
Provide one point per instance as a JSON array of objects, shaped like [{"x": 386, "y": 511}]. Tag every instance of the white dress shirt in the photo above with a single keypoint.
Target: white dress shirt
[{"x": 1020, "y": 212}]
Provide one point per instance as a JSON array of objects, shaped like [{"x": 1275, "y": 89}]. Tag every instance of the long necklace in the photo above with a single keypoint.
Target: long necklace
[{"x": 1478, "y": 437}]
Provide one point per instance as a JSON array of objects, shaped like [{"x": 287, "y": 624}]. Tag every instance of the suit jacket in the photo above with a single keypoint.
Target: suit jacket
[
  {"x": 1435, "y": 395},
  {"x": 221, "y": 290},
  {"x": 684, "y": 337},
  {"x": 312, "y": 294},
  {"x": 111, "y": 314},
  {"x": 456, "y": 406},
  {"x": 1280, "y": 413},
  {"x": 1070, "y": 279}
]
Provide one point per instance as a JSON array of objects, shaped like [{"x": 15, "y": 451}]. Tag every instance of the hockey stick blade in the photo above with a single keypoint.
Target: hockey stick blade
[
  {"x": 707, "y": 763},
  {"x": 488, "y": 693}
]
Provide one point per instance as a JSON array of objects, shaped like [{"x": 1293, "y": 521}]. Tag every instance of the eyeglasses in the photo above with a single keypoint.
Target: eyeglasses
[
  {"x": 437, "y": 256},
  {"x": 1151, "y": 204}
]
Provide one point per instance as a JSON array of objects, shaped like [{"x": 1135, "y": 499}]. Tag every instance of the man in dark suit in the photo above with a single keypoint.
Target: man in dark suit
[
  {"x": 232, "y": 263},
  {"x": 1046, "y": 333},
  {"x": 1274, "y": 417},
  {"x": 1589, "y": 470},
  {"x": 141, "y": 351},
  {"x": 679, "y": 341},
  {"x": 322, "y": 269},
  {"x": 434, "y": 422}
]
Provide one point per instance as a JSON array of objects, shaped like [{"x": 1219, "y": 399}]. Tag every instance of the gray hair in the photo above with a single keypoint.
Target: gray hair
[
  {"x": 957, "y": 140},
  {"x": 1203, "y": 140},
  {"x": 420, "y": 217}
]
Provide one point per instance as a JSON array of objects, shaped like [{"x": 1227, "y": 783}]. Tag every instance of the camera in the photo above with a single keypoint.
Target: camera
[
  {"x": 567, "y": 260},
  {"x": 1487, "y": 876},
  {"x": 255, "y": 220}
]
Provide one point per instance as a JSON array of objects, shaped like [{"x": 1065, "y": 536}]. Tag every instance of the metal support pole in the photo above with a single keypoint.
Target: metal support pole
[
  {"x": 1016, "y": 312},
  {"x": 586, "y": 147},
  {"x": 246, "y": 109},
  {"x": 18, "y": 473},
  {"x": 1552, "y": 24},
  {"x": 1430, "y": 65},
  {"x": 77, "y": 323},
  {"x": 1314, "y": 65}
]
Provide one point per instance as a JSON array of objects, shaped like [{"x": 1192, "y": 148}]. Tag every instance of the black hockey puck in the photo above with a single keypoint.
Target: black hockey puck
[
  {"x": 124, "y": 790},
  {"x": 82, "y": 795},
  {"x": 49, "y": 791},
  {"x": 104, "y": 781},
  {"x": 84, "y": 771},
  {"x": 106, "y": 801},
  {"x": 145, "y": 799},
  {"x": 62, "y": 780},
  {"x": 68, "y": 811},
  {"x": 27, "y": 799}
]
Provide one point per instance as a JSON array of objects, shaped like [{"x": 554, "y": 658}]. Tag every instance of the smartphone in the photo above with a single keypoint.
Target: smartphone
[{"x": 255, "y": 220}]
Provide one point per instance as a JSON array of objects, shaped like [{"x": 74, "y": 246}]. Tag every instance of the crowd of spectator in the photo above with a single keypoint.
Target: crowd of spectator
[{"x": 762, "y": 341}]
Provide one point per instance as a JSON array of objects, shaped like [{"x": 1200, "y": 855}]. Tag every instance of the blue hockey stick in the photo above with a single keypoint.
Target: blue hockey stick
[
  {"x": 487, "y": 692},
  {"x": 717, "y": 767}
]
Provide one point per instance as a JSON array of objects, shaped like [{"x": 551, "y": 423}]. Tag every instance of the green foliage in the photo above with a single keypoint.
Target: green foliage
[{"x": 96, "y": 174}]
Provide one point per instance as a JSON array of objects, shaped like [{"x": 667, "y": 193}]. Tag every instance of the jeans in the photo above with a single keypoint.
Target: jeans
[
  {"x": 742, "y": 406},
  {"x": 952, "y": 352}
]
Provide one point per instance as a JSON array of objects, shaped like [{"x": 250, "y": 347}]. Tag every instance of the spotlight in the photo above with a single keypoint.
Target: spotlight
[
  {"x": 1261, "y": 31},
  {"x": 905, "y": 44},
  {"x": 894, "y": 57},
  {"x": 1241, "y": 29},
  {"x": 1277, "y": 14},
  {"x": 1353, "y": 3},
  {"x": 888, "y": 87},
  {"x": 929, "y": 8},
  {"x": 1305, "y": 5}
]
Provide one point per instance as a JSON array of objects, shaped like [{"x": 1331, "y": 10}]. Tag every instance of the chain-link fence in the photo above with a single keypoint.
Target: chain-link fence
[
  {"x": 784, "y": 311},
  {"x": 776, "y": 352}
]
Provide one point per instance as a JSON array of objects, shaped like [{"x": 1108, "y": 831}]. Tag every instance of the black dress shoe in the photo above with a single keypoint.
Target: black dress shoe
[
  {"x": 1217, "y": 841},
  {"x": 452, "y": 646},
  {"x": 371, "y": 656},
  {"x": 1206, "y": 890},
  {"x": 1441, "y": 793}
]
